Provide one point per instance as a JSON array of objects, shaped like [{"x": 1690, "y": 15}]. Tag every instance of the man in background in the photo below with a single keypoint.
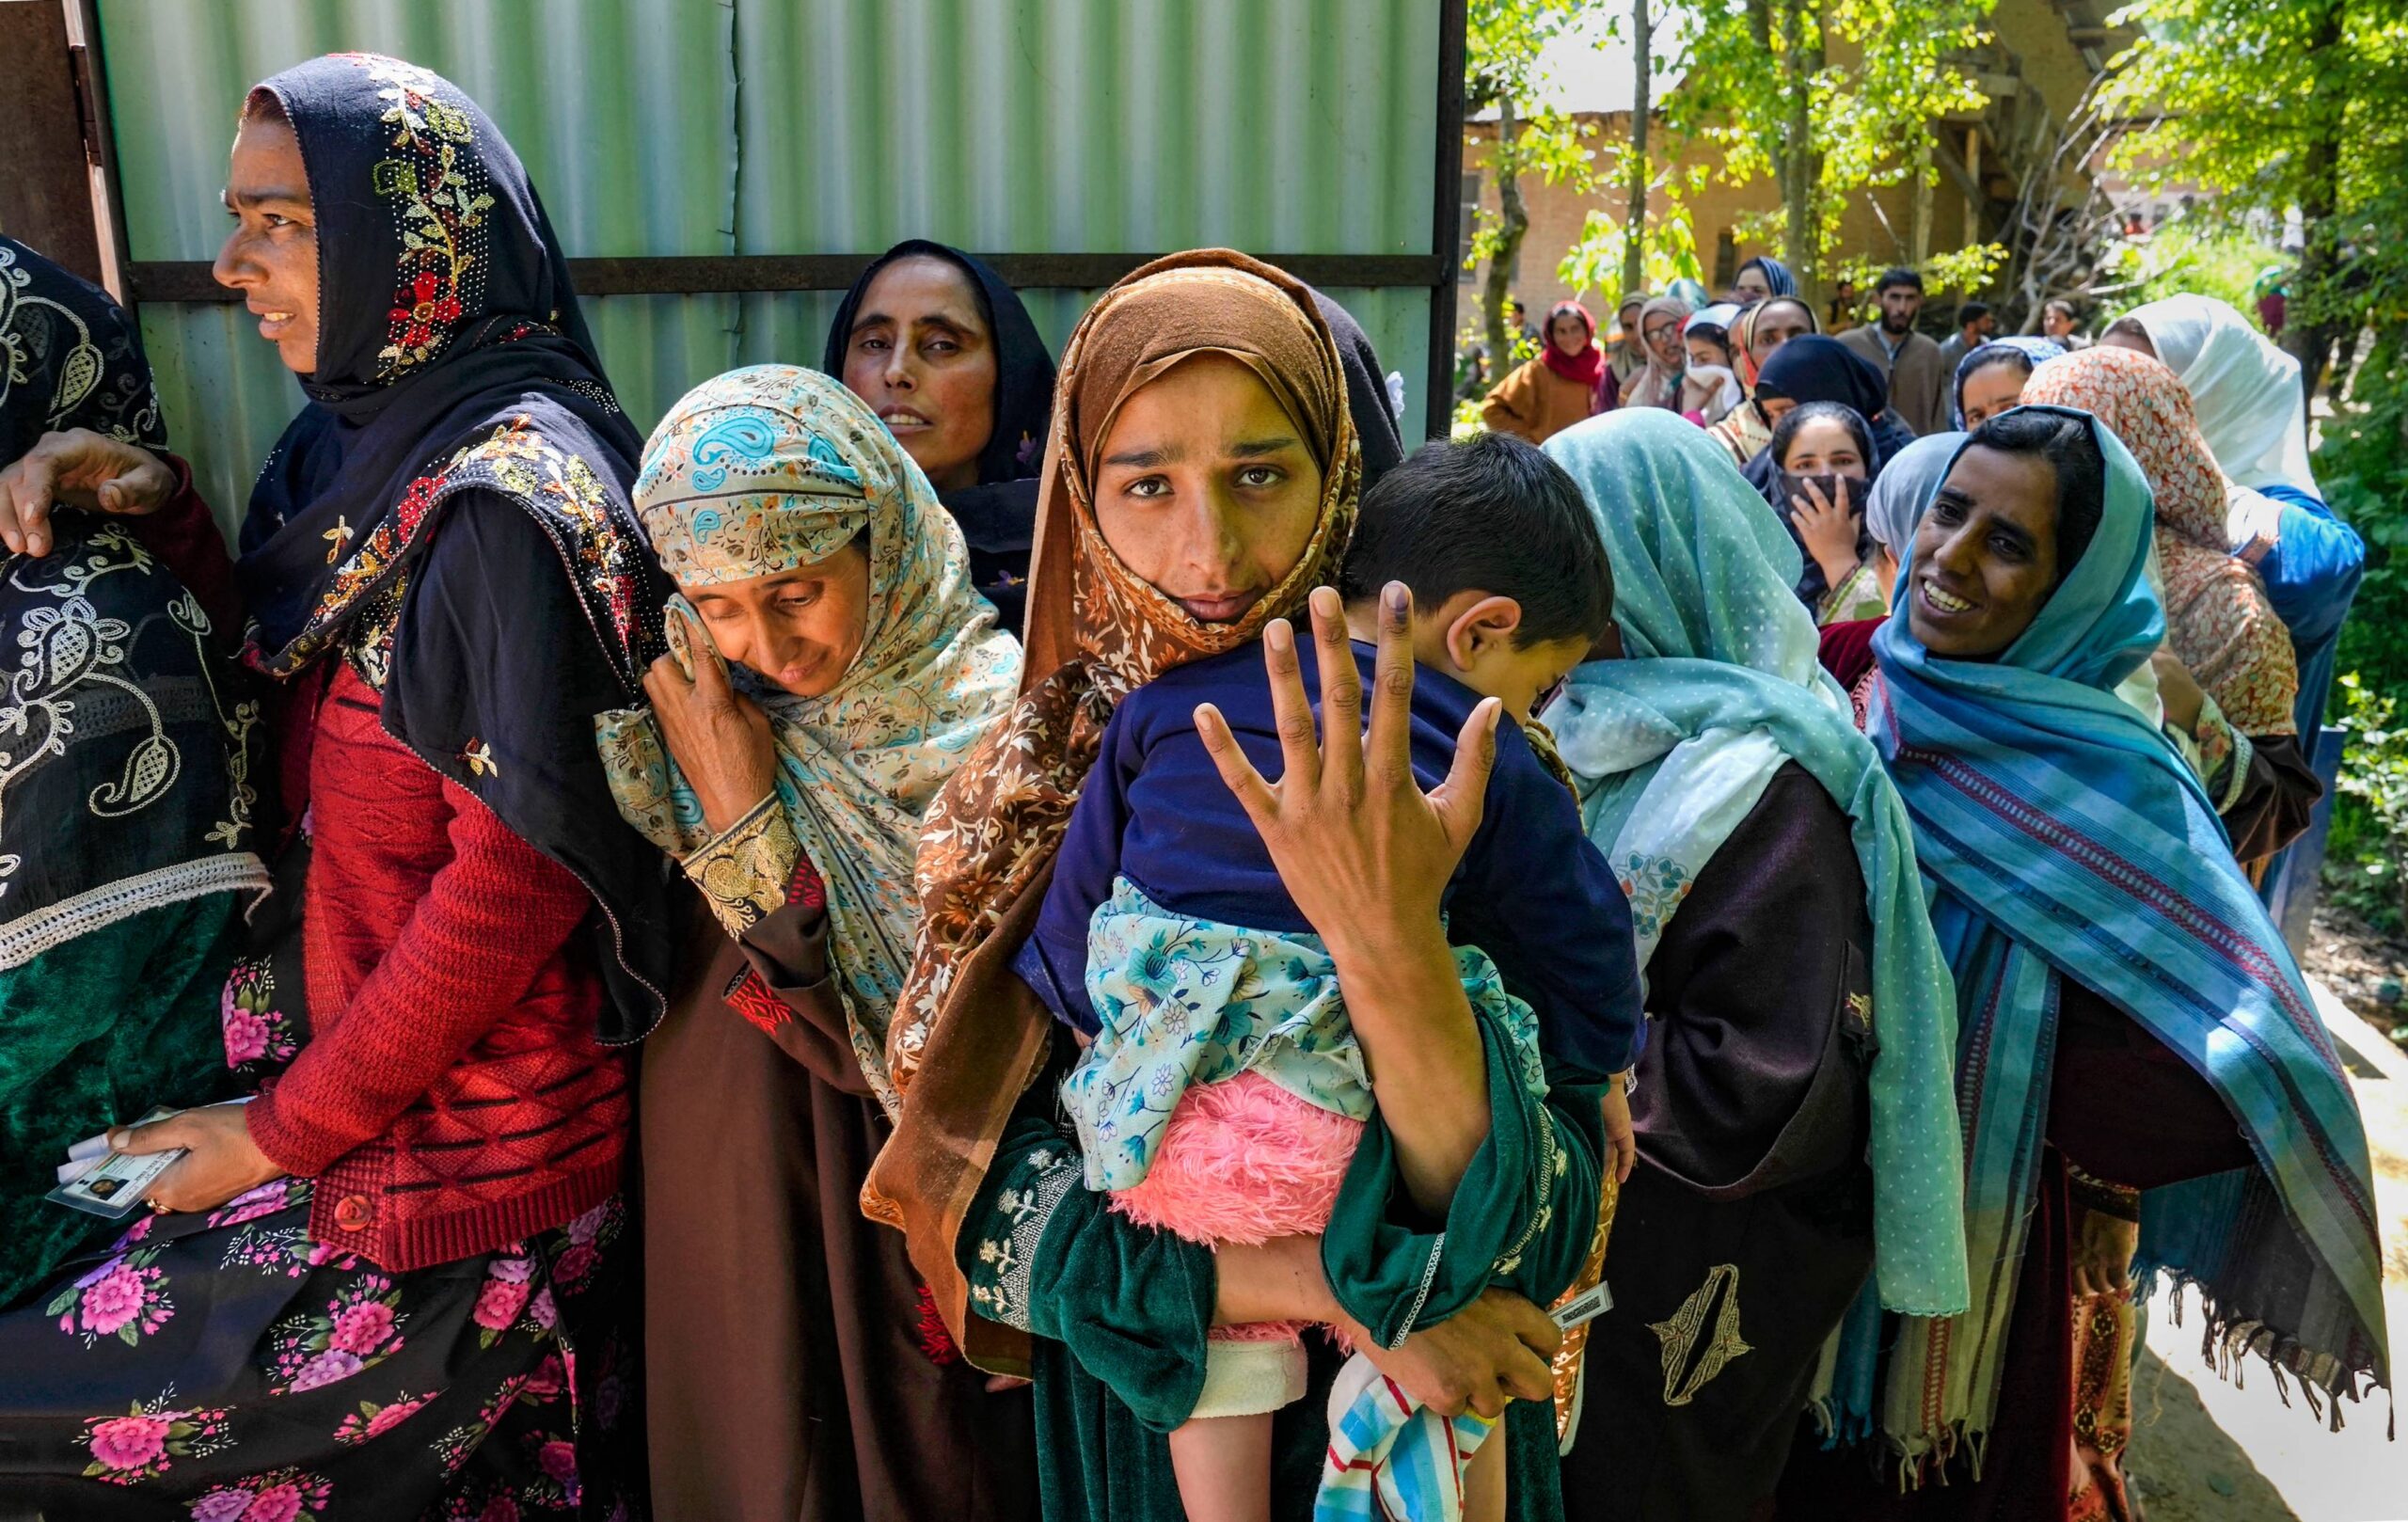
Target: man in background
[
  {"x": 1919, "y": 377},
  {"x": 1976, "y": 325},
  {"x": 1844, "y": 310}
]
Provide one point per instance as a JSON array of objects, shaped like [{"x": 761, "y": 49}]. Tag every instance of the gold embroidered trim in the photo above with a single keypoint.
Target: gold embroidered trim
[
  {"x": 1592, "y": 1270},
  {"x": 744, "y": 872},
  {"x": 1680, "y": 1336}
]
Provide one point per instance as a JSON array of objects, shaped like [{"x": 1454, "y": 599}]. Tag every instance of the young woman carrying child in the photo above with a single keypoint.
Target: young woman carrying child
[{"x": 1222, "y": 1094}]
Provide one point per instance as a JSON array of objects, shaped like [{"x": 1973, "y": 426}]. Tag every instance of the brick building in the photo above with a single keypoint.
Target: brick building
[{"x": 2041, "y": 57}]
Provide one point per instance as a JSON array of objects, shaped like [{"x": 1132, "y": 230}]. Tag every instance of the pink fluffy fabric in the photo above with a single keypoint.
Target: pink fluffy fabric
[{"x": 1243, "y": 1161}]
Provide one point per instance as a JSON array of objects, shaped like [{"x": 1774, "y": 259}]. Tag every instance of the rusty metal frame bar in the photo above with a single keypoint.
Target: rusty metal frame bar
[{"x": 189, "y": 281}]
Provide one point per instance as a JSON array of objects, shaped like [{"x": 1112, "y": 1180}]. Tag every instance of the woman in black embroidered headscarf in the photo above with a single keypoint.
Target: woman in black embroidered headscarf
[
  {"x": 945, "y": 353},
  {"x": 127, "y": 849},
  {"x": 374, "y": 1283}
]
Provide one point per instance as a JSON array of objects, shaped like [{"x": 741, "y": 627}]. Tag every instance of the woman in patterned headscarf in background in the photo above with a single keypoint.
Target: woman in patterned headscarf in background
[
  {"x": 2220, "y": 625},
  {"x": 1756, "y": 334},
  {"x": 831, "y": 667},
  {"x": 128, "y": 800},
  {"x": 2246, "y": 394}
]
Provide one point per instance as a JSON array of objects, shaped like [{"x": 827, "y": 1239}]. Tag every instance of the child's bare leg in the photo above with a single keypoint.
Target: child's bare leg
[
  {"x": 1224, "y": 1467},
  {"x": 1484, "y": 1480}
]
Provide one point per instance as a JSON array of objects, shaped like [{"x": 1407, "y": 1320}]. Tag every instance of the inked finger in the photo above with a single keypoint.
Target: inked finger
[
  {"x": 1390, "y": 757},
  {"x": 1291, "y": 712},
  {"x": 158, "y": 1136}
]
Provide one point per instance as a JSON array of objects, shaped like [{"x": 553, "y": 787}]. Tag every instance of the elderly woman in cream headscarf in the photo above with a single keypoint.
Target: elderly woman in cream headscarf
[{"x": 831, "y": 666}]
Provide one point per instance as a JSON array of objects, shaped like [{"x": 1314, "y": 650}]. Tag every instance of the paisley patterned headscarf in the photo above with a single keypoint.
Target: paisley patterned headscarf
[
  {"x": 126, "y": 776},
  {"x": 762, "y": 470},
  {"x": 2219, "y": 619},
  {"x": 70, "y": 357},
  {"x": 1096, "y": 629}
]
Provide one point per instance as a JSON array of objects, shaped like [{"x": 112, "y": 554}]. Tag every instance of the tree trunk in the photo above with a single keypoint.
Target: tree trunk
[
  {"x": 1797, "y": 160},
  {"x": 1514, "y": 221},
  {"x": 1919, "y": 238},
  {"x": 2311, "y": 341},
  {"x": 1634, "y": 236}
]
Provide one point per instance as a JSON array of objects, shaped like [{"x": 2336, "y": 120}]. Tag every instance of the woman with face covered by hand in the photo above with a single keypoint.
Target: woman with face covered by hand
[{"x": 831, "y": 667}]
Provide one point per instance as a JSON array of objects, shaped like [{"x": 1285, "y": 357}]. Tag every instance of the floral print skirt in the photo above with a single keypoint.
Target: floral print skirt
[{"x": 223, "y": 1367}]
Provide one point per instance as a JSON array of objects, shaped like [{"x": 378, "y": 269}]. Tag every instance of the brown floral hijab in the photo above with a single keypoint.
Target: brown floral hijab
[
  {"x": 2218, "y": 618},
  {"x": 965, "y": 1039}
]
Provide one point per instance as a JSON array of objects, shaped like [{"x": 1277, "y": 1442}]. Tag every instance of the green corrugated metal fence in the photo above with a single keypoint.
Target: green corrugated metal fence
[{"x": 739, "y": 127}]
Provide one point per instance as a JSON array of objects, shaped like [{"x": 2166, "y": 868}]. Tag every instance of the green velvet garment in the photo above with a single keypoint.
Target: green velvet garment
[
  {"x": 1120, "y": 1312},
  {"x": 94, "y": 1032}
]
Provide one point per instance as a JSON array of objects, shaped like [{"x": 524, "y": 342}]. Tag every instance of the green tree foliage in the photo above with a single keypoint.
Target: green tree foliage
[
  {"x": 2279, "y": 106},
  {"x": 1502, "y": 42},
  {"x": 2276, "y": 108},
  {"x": 1822, "y": 97}
]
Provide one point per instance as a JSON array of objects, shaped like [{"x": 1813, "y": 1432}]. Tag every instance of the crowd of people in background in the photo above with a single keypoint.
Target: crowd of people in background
[{"x": 989, "y": 932}]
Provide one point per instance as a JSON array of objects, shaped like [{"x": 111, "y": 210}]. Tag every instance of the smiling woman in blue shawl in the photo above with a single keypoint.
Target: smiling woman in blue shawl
[{"x": 2074, "y": 862}]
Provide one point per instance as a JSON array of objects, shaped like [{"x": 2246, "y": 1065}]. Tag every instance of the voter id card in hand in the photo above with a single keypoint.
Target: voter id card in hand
[
  {"x": 1586, "y": 1305},
  {"x": 114, "y": 1188}
]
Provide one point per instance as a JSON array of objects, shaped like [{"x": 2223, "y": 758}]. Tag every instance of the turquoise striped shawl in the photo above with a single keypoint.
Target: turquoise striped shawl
[{"x": 2061, "y": 837}]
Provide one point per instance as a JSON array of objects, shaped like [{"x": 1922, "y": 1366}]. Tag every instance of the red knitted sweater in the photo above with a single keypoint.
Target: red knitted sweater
[{"x": 452, "y": 1097}]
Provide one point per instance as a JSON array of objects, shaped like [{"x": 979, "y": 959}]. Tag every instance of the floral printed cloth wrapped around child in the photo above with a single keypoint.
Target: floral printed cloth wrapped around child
[{"x": 1222, "y": 1099}]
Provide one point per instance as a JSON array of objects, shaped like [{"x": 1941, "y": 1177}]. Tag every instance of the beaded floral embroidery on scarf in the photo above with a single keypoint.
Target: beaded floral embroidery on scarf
[{"x": 439, "y": 197}]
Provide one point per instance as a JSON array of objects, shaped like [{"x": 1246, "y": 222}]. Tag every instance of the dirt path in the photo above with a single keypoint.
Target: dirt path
[{"x": 2207, "y": 1451}]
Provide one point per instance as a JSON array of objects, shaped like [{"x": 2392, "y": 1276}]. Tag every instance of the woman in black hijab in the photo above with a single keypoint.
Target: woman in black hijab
[
  {"x": 1813, "y": 368},
  {"x": 1367, "y": 392},
  {"x": 384, "y": 1287},
  {"x": 947, "y": 354}
]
